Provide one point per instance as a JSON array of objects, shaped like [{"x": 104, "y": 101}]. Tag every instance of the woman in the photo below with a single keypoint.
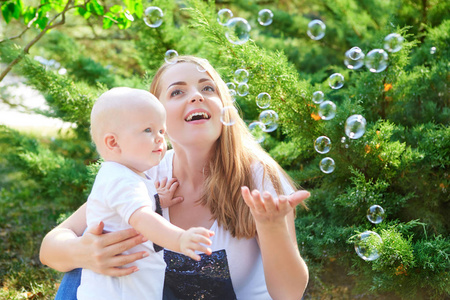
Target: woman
[{"x": 255, "y": 253}]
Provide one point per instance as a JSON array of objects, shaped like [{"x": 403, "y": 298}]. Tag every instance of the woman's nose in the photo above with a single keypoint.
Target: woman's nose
[{"x": 196, "y": 97}]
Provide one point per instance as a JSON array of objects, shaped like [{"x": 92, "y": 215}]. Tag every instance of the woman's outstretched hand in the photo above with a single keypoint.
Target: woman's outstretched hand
[
  {"x": 103, "y": 250},
  {"x": 266, "y": 209}
]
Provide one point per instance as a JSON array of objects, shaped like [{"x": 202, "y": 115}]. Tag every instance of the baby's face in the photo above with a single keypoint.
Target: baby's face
[{"x": 141, "y": 138}]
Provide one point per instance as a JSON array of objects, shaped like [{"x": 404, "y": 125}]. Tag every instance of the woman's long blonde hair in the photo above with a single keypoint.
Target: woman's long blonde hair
[{"x": 230, "y": 167}]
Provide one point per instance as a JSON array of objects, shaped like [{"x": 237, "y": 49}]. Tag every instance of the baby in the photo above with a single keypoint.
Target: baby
[{"x": 128, "y": 127}]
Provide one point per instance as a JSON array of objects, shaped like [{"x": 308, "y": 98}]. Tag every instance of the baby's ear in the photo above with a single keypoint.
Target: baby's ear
[{"x": 111, "y": 143}]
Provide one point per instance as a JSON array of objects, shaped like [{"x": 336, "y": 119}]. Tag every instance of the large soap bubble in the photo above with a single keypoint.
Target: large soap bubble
[
  {"x": 393, "y": 42},
  {"x": 238, "y": 31},
  {"x": 327, "y": 165},
  {"x": 265, "y": 17},
  {"x": 224, "y": 15},
  {"x": 316, "y": 29},
  {"x": 367, "y": 244},
  {"x": 355, "y": 126},
  {"x": 270, "y": 119},
  {"x": 376, "y": 60},
  {"x": 327, "y": 110},
  {"x": 257, "y": 129},
  {"x": 354, "y": 58},
  {"x": 322, "y": 144},
  {"x": 336, "y": 81},
  {"x": 227, "y": 115},
  {"x": 263, "y": 100},
  {"x": 153, "y": 16},
  {"x": 375, "y": 214}
]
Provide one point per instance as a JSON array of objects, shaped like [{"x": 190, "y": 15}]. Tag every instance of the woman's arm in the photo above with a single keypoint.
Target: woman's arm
[
  {"x": 285, "y": 271},
  {"x": 65, "y": 247}
]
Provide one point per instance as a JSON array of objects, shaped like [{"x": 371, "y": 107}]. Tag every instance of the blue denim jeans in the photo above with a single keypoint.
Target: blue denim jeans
[{"x": 69, "y": 285}]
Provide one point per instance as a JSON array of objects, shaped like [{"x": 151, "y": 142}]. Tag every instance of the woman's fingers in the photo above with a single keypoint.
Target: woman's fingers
[
  {"x": 269, "y": 202},
  {"x": 297, "y": 198},
  {"x": 247, "y": 197},
  {"x": 122, "y": 245},
  {"x": 118, "y": 272},
  {"x": 112, "y": 238}
]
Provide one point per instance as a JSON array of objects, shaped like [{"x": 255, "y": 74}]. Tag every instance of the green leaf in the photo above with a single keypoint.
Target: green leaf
[
  {"x": 17, "y": 9},
  {"x": 41, "y": 22},
  {"x": 116, "y": 9},
  {"x": 95, "y": 7},
  {"x": 139, "y": 9},
  {"x": 29, "y": 14},
  {"x": 7, "y": 11},
  {"x": 107, "y": 23}
]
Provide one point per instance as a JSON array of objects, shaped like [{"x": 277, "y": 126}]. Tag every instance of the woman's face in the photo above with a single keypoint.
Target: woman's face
[{"x": 193, "y": 105}]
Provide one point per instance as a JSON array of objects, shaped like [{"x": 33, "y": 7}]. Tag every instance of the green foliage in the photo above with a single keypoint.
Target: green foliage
[{"x": 400, "y": 163}]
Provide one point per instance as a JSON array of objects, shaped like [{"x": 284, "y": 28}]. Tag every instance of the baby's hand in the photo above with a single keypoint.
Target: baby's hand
[
  {"x": 192, "y": 239},
  {"x": 166, "y": 190}
]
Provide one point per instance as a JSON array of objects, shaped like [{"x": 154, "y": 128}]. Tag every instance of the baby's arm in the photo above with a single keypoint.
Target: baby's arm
[
  {"x": 160, "y": 231},
  {"x": 166, "y": 190}
]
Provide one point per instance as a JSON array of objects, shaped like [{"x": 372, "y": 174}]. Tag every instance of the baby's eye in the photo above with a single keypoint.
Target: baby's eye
[
  {"x": 208, "y": 88},
  {"x": 148, "y": 130},
  {"x": 175, "y": 93},
  {"x": 162, "y": 131}
]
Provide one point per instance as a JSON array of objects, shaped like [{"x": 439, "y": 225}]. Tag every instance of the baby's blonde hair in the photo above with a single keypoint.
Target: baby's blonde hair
[{"x": 108, "y": 111}]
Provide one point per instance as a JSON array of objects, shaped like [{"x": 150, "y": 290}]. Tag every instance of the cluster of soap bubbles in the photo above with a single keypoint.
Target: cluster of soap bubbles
[
  {"x": 51, "y": 64},
  {"x": 238, "y": 29},
  {"x": 376, "y": 60},
  {"x": 368, "y": 242}
]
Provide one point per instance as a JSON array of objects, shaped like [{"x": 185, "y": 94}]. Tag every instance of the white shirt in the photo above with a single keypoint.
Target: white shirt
[
  {"x": 117, "y": 193},
  {"x": 234, "y": 271}
]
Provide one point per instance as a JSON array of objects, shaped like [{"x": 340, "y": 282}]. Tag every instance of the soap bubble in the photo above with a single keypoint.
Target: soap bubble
[
  {"x": 322, "y": 144},
  {"x": 242, "y": 89},
  {"x": 432, "y": 50},
  {"x": 316, "y": 29},
  {"x": 367, "y": 244},
  {"x": 232, "y": 94},
  {"x": 231, "y": 86},
  {"x": 263, "y": 100},
  {"x": 170, "y": 56},
  {"x": 376, "y": 60},
  {"x": 241, "y": 76},
  {"x": 318, "y": 97},
  {"x": 153, "y": 16},
  {"x": 355, "y": 126},
  {"x": 327, "y": 165},
  {"x": 375, "y": 214},
  {"x": 238, "y": 31},
  {"x": 270, "y": 119},
  {"x": 227, "y": 115},
  {"x": 354, "y": 58},
  {"x": 224, "y": 15},
  {"x": 336, "y": 81},
  {"x": 393, "y": 42},
  {"x": 327, "y": 110},
  {"x": 265, "y": 17},
  {"x": 257, "y": 129}
]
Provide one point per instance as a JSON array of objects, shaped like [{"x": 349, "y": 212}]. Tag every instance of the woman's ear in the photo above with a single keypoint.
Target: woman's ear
[{"x": 111, "y": 143}]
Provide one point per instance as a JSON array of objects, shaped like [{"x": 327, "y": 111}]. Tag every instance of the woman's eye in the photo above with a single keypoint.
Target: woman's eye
[
  {"x": 148, "y": 130},
  {"x": 175, "y": 93},
  {"x": 208, "y": 88}
]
